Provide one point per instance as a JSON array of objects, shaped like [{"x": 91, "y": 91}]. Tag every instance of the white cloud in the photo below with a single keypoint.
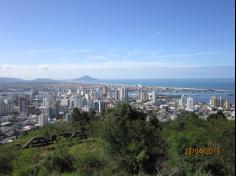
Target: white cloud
[
  {"x": 43, "y": 67},
  {"x": 84, "y": 50},
  {"x": 125, "y": 69},
  {"x": 36, "y": 52},
  {"x": 53, "y": 50},
  {"x": 191, "y": 54},
  {"x": 6, "y": 66},
  {"x": 98, "y": 58}
]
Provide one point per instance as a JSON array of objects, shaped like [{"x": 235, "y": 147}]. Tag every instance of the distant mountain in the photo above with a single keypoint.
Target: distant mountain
[
  {"x": 5, "y": 80},
  {"x": 44, "y": 80},
  {"x": 11, "y": 80},
  {"x": 86, "y": 79}
]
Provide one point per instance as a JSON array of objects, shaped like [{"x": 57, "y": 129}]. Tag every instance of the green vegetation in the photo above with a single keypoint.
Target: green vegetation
[{"x": 124, "y": 141}]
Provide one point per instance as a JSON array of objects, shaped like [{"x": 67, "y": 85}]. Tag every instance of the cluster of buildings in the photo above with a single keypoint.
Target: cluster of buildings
[
  {"x": 29, "y": 106},
  {"x": 188, "y": 102},
  {"x": 6, "y": 106},
  {"x": 216, "y": 102}
]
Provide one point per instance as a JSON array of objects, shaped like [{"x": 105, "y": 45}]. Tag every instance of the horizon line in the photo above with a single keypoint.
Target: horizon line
[{"x": 56, "y": 79}]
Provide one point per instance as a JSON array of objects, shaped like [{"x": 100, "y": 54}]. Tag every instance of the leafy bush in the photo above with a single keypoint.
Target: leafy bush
[{"x": 60, "y": 161}]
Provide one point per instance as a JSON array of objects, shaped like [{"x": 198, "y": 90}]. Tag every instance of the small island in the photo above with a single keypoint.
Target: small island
[{"x": 86, "y": 79}]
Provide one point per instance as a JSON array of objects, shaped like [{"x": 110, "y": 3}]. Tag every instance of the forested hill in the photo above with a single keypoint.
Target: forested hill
[{"x": 123, "y": 141}]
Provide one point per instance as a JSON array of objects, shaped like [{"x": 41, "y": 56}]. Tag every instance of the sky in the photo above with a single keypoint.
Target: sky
[{"x": 117, "y": 39}]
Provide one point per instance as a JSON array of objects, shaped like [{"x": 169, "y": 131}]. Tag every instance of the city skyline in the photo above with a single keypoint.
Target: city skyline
[{"x": 117, "y": 39}]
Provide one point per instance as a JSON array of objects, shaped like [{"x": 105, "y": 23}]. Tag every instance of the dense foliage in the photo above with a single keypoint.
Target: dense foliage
[{"x": 124, "y": 141}]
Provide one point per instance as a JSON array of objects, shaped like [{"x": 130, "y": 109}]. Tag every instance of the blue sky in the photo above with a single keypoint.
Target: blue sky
[{"x": 117, "y": 38}]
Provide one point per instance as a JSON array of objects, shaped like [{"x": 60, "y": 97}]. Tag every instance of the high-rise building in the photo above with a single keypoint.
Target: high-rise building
[
  {"x": 58, "y": 92},
  {"x": 79, "y": 102},
  {"x": 116, "y": 94},
  {"x": 57, "y": 107},
  {"x": 143, "y": 96},
  {"x": 224, "y": 103},
  {"x": 45, "y": 103},
  {"x": 64, "y": 101},
  {"x": 87, "y": 108},
  {"x": 6, "y": 106},
  {"x": 87, "y": 96},
  {"x": 153, "y": 96},
  {"x": 109, "y": 95},
  {"x": 104, "y": 91},
  {"x": 43, "y": 117},
  {"x": 182, "y": 100},
  {"x": 100, "y": 105},
  {"x": 69, "y": 92},
  {"x": 214, "y": 102},
  {"x": 98, "y": 93},
  {"x": 124, "y": 94},
  {"x": 24, "y": 102},
  {"x": 221, "y": 102},
  {"x": 93, "y": 95},
  {"x": 66, "y": 117},
  {"x": 190, "y": 104}
]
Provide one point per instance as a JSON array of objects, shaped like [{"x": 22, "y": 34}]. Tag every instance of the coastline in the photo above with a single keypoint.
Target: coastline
[{"x": 160, "y": 87}]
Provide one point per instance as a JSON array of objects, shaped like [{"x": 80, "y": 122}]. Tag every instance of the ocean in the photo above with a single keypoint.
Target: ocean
[
  {"x": 220, "y": 84},
  {"x": 228, "y": 85}
]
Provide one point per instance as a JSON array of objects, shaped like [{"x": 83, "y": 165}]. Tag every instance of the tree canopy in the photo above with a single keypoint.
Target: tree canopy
[{"x": 126, "y": 141}]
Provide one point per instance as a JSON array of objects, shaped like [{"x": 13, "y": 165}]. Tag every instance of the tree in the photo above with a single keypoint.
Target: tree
[
  {"x": 75, "y": 115},
  {"x": 82, "y": 119},
  {"x": 135, "y": 141}
]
